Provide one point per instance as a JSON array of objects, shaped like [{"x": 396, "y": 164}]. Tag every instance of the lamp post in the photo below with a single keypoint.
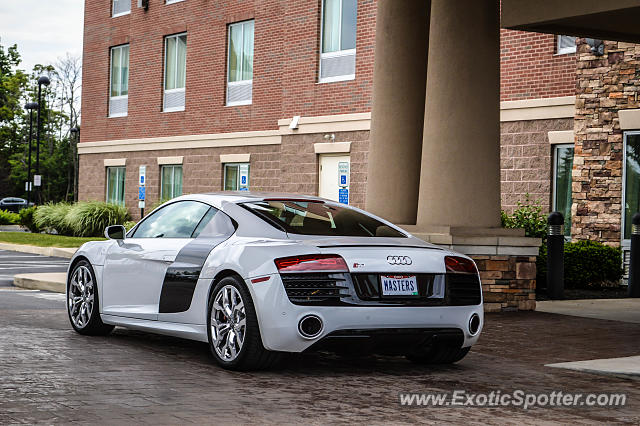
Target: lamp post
[
  {"x": 30, "y": 106},
  {"x": 42, "y": 81},
  {"x": 74, "y": 148}
]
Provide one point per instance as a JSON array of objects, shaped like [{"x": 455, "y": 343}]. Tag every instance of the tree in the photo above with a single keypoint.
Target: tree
[{"x": 60, "y": 111}]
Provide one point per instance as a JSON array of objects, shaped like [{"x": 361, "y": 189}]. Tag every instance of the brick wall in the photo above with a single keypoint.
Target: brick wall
[
  {"x": 299, "y": 164},
  {"x": 530, "y": 69},
  {"x": 525, "y": 160},
  {"x": 202, "y": 172},
  {"x": 606, "y": 84},
  {"x": 286, "y": 60}
]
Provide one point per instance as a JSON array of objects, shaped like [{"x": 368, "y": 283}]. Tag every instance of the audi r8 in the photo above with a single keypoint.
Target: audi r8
[{"x": 257, "y": 275}]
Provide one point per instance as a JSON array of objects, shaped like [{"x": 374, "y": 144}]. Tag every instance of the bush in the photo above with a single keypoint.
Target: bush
[
  {"x": 129, "y": 224},
  {"x": 527, "y": 215},
  {"x": 84, "y": 219},
  {"x": 52, "y": 217},
  {"x": 587, "y": 264},
  {"x": 89, "y": 219},
  {"x": 26, "y": 219},
  {"x": 9, "y": 218}
]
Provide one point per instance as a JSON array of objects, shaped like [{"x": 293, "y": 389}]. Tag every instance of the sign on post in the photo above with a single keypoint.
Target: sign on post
[
  {"x": 37, "y": 180},
  {"x": 244, "y": 177},
  {"x": 343, "y": 182},
  {"x": 141, "y": 189}
]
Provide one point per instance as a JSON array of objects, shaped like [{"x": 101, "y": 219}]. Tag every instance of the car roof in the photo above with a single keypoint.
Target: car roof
[{"x": 237, "y": 197}]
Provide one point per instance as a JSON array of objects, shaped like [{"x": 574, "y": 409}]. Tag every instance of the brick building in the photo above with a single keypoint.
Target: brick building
[
  {"x": 269, "y": 95},
  {"x": 198, "y": 137}
]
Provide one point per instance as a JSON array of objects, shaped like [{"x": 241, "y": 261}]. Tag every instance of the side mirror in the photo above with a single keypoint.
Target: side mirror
[{"x": 115, "y": 232}]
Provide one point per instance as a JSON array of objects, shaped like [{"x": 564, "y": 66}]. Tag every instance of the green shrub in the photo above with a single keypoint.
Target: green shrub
[
  {"x": 9, "y": 218},
  {"x": 527, "y": 215},
  {"x": 89, "y": 219},
  {"x": 50, "y": 217},
  {"x": 26, "y": 219},
  {"x": 587, "y": 264},
  {"x": 129, "y": 224}
]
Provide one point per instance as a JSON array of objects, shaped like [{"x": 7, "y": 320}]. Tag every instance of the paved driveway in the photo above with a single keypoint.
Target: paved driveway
[
  {"x": 50, "y": 374},
  {"x": 12, "y": 263}
]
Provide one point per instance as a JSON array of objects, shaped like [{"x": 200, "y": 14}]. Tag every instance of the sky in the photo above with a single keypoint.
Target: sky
[{"x": 44, "y": 30}]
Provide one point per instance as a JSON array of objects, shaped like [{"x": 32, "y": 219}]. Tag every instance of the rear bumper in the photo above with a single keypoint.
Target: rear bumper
[
  {"x": 278, "y": 319},
  {"x": 388, "y": 341}
]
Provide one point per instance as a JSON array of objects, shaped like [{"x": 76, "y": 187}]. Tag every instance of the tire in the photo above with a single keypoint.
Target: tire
[
  {"x": 439, "y": 354},
  {"x": 83, "y": 301},
  {"x": 234, "y": 340}
]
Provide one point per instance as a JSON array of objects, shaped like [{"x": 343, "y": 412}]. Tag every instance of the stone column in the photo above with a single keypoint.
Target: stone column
[
  {"x": 402, "y": 39},
  {"x": 460, "y": 173}
]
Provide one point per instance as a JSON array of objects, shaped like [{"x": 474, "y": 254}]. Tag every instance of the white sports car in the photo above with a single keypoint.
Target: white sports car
[{"x": 256, "y": 275}]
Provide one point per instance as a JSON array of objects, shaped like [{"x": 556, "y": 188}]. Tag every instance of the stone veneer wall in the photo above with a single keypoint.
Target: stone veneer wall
[
  {"x": 508, "y": 282},
  {"x": 606, "y": 84},
  {"x": 525, "y": 160}
]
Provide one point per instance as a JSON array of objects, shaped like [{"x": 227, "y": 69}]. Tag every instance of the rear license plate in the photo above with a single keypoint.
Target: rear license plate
[{"x": 399, "y": 285}]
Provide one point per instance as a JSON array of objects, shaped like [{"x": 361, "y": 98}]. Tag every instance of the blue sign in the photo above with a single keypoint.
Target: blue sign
[
  {"x": 343, "y": 179},
  {"x": 141, "y": 179},
  {"x": 243, "y": 180},
  {"x": 141, "y": 193},
  {"x": 343, "y": 195}
]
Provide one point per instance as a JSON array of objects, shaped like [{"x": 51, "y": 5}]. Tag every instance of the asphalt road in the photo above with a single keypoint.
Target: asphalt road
[
  {"x": 12, "y": 263},
  {"x": 49, "y": 374}
]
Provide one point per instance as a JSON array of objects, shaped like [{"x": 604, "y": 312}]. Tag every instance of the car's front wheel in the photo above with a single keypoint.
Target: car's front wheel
[
  {"x": 83, "y": 302},
  {"x": 234, "y": 334}
]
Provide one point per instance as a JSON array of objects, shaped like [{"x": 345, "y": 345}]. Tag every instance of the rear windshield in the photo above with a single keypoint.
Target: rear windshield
[{"x": 320, "y": 218}]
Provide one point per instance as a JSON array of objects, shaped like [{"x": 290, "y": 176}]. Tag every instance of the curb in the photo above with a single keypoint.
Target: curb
[
  {"x": 66, "y": 253},
  {"x": 55, "y": 282}
]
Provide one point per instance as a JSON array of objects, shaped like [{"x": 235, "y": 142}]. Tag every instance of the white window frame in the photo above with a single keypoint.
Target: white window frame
[
  {"x": 564, "y": 50},
  {"x": 224, "y": 175},
  {"x": 335, "y": 54},
  {"x": 173, "y": 178},
  {"x": 113, "y": 6},
  {"x": 173, "y": 1},
  {"x": 124, "y": 114},
  {"x": 240, "y": 82},
  {"x": 164, "y": 76},
  {"x": 124, "y": 171}
]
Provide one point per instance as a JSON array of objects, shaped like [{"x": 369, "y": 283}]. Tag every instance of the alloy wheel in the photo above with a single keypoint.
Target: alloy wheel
[
  {"x": 81, "y": 296},
  {"x": 228, "y": 323}
]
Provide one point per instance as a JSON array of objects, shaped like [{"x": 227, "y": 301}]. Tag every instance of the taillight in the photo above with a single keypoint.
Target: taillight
[
  {"x": 460, "y": 264},
  {"x": 312, "y": 263}
]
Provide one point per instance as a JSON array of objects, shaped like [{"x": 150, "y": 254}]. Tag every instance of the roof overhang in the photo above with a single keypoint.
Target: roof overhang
[{"x": 602, "y": 19}]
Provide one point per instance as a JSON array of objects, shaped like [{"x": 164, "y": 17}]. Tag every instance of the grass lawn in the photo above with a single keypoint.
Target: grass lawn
[{"x": 44, "y": 240}]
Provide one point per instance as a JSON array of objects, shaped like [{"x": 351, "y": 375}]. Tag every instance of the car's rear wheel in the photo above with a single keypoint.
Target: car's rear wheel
[
  {"x": 439, "y": 354},
  {"x": 83, "y": 302},
  {"x": 232, "y": 324}
]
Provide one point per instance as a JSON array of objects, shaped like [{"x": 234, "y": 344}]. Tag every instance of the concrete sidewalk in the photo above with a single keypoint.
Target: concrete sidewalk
[
  {"x": 51, "y": 281},
  {"x": 66, "y": 253},
  {"x": 626, "y": 367},
  {"x": 625, "y": 310}
]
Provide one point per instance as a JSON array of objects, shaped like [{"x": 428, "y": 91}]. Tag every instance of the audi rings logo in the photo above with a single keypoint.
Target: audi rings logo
[{"x": 399, "y": 260}]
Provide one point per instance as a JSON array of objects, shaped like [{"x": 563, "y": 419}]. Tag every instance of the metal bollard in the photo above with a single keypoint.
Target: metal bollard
[
  {"x": 634, "y": 261},
  {"x": 555, "y": 256}
]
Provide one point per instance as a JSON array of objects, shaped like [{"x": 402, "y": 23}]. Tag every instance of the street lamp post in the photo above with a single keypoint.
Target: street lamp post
[
  {"x": 42, "y": 81},
  {"x": 30, "y": 106},
  {"x": 76, "y": 132}
]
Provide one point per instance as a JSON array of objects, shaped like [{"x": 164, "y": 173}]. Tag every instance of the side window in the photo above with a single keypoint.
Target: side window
[
  {"x": 177, "y": 220},
  {"x": 215, "y": 224}
]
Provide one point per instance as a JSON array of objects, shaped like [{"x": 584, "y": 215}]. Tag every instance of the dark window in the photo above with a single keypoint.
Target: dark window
[{"x": 320, "y": 218}]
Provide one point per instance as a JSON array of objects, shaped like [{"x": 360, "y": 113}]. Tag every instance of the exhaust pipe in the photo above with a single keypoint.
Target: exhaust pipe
[
  {"x": 474, "y": 324},
  {"x": 310, "y": 326}
]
